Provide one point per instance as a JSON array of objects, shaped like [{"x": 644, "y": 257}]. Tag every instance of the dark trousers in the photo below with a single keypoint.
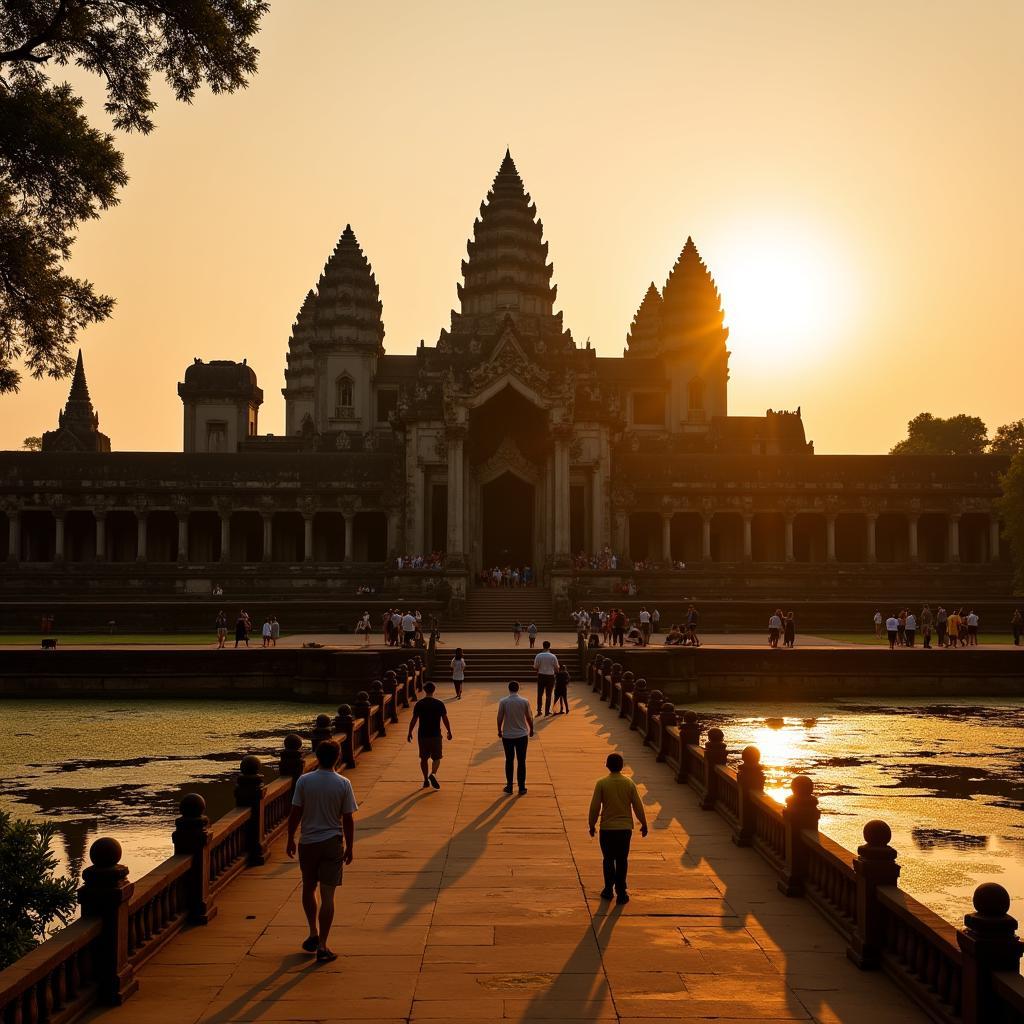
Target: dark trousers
[
  {"x": 515, "y": 750},
  {"x": 615, "y": 851},
  {"x": 545, "y": 687}
]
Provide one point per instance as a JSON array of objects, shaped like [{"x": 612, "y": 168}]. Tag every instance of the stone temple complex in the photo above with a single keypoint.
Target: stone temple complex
[{"x": 505, "y": 442}]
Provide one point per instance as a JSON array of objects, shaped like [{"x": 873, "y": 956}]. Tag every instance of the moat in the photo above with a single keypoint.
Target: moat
[{"x": 947, "y": 777}]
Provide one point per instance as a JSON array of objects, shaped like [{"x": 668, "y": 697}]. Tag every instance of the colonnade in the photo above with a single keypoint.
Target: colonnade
[
  {"x": 201, "y": 535},
  {"x": 730, "y": 535}
]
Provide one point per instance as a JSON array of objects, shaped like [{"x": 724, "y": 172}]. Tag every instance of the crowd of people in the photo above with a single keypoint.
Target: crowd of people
[
  {"x": 781, "y": 626},
  {"x": 614, "y": 627},
  {"x": 955, "y": 628},
  {"x": 270, "y": 632},
  {"x": 400, "y": 629},
  {"x": 435, "y": 560},
  {"x": 604, "y": 559},
  {"x": 508, "y": 576}
]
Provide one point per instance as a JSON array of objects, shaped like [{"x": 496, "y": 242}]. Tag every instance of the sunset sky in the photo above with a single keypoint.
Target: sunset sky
[{"x": 850, "y": 173}]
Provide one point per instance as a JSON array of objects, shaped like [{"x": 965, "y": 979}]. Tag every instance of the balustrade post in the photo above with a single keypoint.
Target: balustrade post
[
  {"x": 801, "y": 812},
  {"x": 667, "y": 717},
  {"x": 292, "y": 762},
  {"x": 715, "y": 753},
  {"x": 191, "y": 837},
  {"x": 345, "y": 724},
  {"x": 401, "y": 690},
  {"x": 610, "y": 682},
  {"x": 377, "y": 700},
  {"x": 988, "y": 943},
  {"x": 598, "y": 670},
  {"x": 104, "y": 895},
  {"x": 251, "y": 792},
  {"x": 389, "y": 686},
  {"x": 361, "y": 709},
  {"x": 639, "y": 697},
  {"x": 655, "y": 699},
  {"x": 322, "y": 729},
  {"x": 874, "y": 865},
  {"x": 689, "y": 736},
  {"x": 626, "y": 686},
  {"x": 750, "y": 779}
]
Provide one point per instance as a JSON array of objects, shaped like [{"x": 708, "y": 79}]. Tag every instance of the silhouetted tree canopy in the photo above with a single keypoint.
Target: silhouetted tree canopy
[
  {"x": 1011, "y": 511},
  {"x": 56, "y": 170},
  {"x": 32, "y": 444},
  {"x": 1008, "y": 439},
  {"x": 933, "y": 435}
]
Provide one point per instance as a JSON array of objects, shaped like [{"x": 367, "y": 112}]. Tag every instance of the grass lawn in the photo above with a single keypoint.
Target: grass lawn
[
  {"x": 870, "y": 640},
  {"x": 115, "y": 639}
]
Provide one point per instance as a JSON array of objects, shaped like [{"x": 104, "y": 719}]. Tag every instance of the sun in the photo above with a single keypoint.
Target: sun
[{"x": 786, "y": 290}]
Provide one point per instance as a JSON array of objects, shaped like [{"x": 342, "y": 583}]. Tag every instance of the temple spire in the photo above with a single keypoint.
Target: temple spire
[
  {"x": 79, "y": 388},
  {"x": 691, "y": 311},
  {"x": 642, "y": 339},
  {"x": 78, "y": 426}
]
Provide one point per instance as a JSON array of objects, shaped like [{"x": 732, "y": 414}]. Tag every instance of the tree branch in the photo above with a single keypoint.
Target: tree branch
[{"x": 48, "y": 35}]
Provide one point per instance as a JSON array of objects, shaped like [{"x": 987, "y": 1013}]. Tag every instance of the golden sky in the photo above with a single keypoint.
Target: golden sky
[{"x": 850, "y": 173}]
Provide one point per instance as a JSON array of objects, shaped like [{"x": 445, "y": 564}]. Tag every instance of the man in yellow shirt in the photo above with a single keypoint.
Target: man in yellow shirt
[{"x": 615, "y": 801}]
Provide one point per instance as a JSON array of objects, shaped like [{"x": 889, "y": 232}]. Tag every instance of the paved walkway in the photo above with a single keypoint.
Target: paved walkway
[{"x": 467, "y": 905}]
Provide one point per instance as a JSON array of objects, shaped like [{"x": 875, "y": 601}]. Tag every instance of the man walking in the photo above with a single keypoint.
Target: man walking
[
  {"x": 615, "y": 801},
  {"x": 515, "y": 727},
  {"x": 324, "y": 803},
  {"x": 545, "y": 664},
  {"x": 409, "y": 628},
  {"x": 430, "y": 713},
  {"x": 645, "y": 626}
]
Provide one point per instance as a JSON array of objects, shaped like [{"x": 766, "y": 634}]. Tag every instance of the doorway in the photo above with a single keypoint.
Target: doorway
[{"x": 507, "y": 507}]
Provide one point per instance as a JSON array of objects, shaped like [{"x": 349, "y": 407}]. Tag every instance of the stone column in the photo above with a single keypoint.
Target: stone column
[
  {"x": 597, "y": 510},
  {"x": 748, "y": 537},
  {"x": 561, "y": 467},
  {"x": 58, "y": 536},
  {"x": 14, "y": 536},
  {"x": 100, "y": 518},
  {"x": 871, "y": 521},
  {"x": 456, "y": 497},
  {"x": 307, "y": 538},
  {"x": 225, "y": 536},
  {"x": 666, "y": 536},
  {"x": 954, "y": 537},
  {"x": 790, "y": 518},
  {"x": 350, "y": 522},
  {"x": 418, "y": 544},
  {"x": 830, "y": 538},
  {"x": 621, "y": 544},
  {"x": 993, "y": 538},
  {"x": 912, "y": 537},
  {"x": 268, "y": 536},
  {"x": 182, "y": 537},
  {"x": 705, "y": 536},
  {"x": 394, "y": 531},
  {"x": 141, "y": 517}
]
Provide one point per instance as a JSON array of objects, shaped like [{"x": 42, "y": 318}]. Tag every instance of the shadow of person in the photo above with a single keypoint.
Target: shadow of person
[{"x": 257, "y": 1000}]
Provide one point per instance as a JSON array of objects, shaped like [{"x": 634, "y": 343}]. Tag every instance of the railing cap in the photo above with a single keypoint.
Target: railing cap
[
  {"x": 192, "y": 806},
  {"x": 292, "y": 742},
  {"x": 750, "y": 756},
  {"x": 877, "y": 833},
  {"x": 324, "y": 721},
  {"x": 251, "y": 765},
  {"x": 105, "y": 852},
  {"x": 991, "y": 900}
]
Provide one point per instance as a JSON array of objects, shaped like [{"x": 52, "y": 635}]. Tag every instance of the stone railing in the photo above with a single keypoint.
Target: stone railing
[
  {"x": 968, "y": 975},
  {"x": 93, "y": 961}
]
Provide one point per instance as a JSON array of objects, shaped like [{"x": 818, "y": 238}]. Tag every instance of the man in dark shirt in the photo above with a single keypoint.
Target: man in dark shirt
[{"x": 430, "y": 713}]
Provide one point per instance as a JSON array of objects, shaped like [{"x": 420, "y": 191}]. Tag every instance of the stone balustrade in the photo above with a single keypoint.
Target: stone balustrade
[
  {"x": 123, "y": 923},
  {"x": 968, "y": 975}
]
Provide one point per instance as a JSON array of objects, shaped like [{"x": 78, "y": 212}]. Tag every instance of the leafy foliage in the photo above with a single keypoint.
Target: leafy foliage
[
  {"x": 933, "y": 435},
  {"x": 31, "y": 898},
  {"x": 1011, "y": 511},
  {"x": 32, "y": 444},
  {"x": 1008, "y": 439},
  {"x": 57, "y": 171}
]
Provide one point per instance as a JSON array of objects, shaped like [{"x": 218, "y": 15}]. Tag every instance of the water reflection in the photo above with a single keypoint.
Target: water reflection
[{"x": 948, "y": 778}]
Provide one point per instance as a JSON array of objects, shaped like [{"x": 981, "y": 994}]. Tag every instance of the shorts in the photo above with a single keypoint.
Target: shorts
[
  {"x": 431, "y": 746},
  {"x": 321, "y": 862},
  {"x": 222, "y": 634}
]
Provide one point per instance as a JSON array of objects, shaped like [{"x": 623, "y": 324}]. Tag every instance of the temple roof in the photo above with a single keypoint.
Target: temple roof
[
  {"x": 643, "y": 333},
  {"x": 78, "y": 426},
  {"x": 691, "y": 309}
]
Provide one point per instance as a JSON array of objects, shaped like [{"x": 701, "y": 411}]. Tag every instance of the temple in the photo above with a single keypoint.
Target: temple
[{"x": 505, "y": 442}]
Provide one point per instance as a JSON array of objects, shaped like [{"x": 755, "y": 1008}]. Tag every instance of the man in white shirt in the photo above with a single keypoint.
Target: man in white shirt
[
  {"x": 645, "y": 627},
  {"x": 545, "y": 664},
  {"x": 324, "y": 803},
  {"x": 515, "y": 727},
  {"x": 972, "y": 629},
  {"x": 892, "y": 628},
  {"x": 910, "y": 629},
  {"x": 396, "y": 627},
  {"x": 409, "y": 628}
]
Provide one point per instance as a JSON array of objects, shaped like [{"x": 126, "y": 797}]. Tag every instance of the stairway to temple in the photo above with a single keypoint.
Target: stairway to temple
[
  {"x": 499, "y": 665},
  {"x": 495, "y": 609}
]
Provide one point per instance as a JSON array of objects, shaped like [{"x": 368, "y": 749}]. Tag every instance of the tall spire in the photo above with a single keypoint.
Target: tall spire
[
  {"x": 78, "y": 426},
  {"x": 642, "y": 339},
  {"x": 507, "y": 268},
  {"x": 692, "y": 308}
]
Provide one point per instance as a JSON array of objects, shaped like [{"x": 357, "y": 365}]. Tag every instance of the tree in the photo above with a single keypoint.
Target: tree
[
  {"x": 933, "y": 435},
  {"x": 1008, "y": 439},
  {"x": 57, "y": 171},
  {"x": 32, "y": 444},
  {"x": 31, "y": 897},
  {"x": 1011, "y": 511}
]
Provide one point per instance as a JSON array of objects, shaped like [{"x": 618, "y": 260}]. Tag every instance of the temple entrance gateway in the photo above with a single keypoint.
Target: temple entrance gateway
[{"x": 507, "y": 512}]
